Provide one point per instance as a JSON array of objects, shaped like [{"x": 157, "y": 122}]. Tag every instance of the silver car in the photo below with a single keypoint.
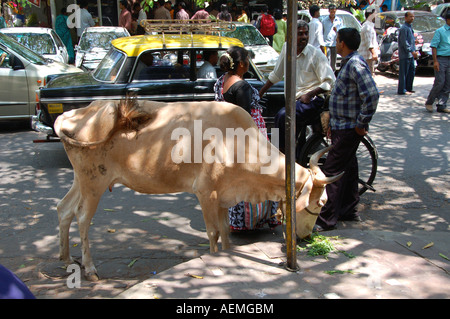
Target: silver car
[
  {"x": 94, "y": 43},
  {"x": 265, "y": 57},
  {"x": 43, "y": 41},
  {"x": 22, "y": 72}
]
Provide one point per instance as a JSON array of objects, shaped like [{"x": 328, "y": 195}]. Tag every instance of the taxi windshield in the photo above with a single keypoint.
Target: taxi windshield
[{"x": 110, "y": 66}]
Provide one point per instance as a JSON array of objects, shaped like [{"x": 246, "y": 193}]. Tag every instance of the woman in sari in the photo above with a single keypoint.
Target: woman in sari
[
  {"x": 63, "y": 32},
  {"x": 231, "y": 87}
]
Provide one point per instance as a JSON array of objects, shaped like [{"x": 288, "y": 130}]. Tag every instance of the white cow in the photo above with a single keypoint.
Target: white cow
[{"x": 147, "y": 146}]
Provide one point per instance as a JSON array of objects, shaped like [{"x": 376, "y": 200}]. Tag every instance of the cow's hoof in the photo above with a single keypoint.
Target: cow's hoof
[{"x": 92, "y": 277}]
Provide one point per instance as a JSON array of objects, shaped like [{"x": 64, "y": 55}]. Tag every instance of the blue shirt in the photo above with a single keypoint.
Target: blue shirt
[
  {"x": 354, "y": 98},
  {"x": 406, "y": 41},
  {"x": 441, "y": 41}
]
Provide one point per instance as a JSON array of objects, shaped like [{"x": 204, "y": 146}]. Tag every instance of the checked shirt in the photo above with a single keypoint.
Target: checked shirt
[{"x": 354, "y": 98}]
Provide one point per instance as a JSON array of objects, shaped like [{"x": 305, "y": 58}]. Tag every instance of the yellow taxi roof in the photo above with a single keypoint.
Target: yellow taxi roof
[{"x": 135, "y": 45}]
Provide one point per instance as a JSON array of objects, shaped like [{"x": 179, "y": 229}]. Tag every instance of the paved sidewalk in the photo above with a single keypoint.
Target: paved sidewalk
[{"x": 376, "y": 264}]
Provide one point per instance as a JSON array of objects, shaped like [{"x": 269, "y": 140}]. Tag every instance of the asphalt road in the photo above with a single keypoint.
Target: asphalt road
[{"x": 133, "y": 235}]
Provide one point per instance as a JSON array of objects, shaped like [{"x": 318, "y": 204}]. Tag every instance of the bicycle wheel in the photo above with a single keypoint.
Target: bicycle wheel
[{"x": 366, "y": 154}]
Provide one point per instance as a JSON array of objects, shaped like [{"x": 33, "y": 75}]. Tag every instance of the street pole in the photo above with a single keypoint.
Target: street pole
[{"x": 290, "y": 86}]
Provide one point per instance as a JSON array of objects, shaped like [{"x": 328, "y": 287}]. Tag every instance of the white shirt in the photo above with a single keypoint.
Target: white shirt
[
  {"x": 207, "y": 71},
  {"x": 316, "y": 33},
  {"x": 328, "y": 33},
  {"x": 313, "y": 70},
  {"x": 85, "y": 21},
  {"x": 368, "y": 40}
]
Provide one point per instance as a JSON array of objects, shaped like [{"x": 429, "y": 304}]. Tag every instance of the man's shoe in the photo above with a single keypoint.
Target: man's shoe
[
  {"x": 355, "y": 218},
  {"x": 444, "y": 111},
  {"x": 318, "y": 229},
  {"x": 411, "y": 92},
  {"x": 429, "y": 107}
]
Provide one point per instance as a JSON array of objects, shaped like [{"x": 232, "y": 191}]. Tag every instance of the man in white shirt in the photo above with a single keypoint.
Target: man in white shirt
[
  {"x": 85, "y": 18},
  {"x": 331, "y": 25},
  {"x": 368, "y": 48},
  {"x": 316, "y": 29},
  {"x": 314, "y": 77},
  {"x": 207, "y": 70}
]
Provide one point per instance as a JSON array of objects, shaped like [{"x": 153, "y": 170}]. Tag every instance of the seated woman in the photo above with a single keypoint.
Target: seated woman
[{"x": 231, "y": 87}]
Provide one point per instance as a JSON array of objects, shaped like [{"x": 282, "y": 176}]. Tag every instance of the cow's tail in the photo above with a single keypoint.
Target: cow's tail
[
  {"x": 80, "y": 127},
  {"x": 130, "y": 116}
]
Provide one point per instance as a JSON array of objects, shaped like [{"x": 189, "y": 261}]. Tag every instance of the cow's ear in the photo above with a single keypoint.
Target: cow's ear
[{"x": 303, "y": 199}]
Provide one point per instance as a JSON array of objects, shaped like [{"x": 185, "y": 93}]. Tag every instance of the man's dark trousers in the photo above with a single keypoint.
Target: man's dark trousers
[
  {"x": 406, "y": 75},
  {"x": 342, "y": 195}
]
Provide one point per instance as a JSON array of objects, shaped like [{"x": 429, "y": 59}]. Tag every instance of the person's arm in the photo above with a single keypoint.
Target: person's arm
[
  {"x": 369, "y": 96},
  {"x": 434, "y": 44},
  {"x": 277, "y": 74},
  {"x": 325, "y": 76},
  {"x": 435, "y": 60}
]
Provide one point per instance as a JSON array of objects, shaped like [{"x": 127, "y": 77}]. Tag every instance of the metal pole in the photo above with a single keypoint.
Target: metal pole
[{"x": 290, "y": 86}]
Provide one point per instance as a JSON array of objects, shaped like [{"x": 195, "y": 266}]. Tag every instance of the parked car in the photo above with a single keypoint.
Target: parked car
[
  {"x": 154, "y": 67},
  {"x": 264, "y": 56},
  {"x": 94, "y": 43},
  {"x": 441, "y": 9},
  {"x": 424, "y": 25},
  {"x": 43, "y": 41},
  {"x": 22, "y": 72}
]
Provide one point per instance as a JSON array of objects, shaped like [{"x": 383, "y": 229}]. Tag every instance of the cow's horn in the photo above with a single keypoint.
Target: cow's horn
[{"x": 319, "y": 178}]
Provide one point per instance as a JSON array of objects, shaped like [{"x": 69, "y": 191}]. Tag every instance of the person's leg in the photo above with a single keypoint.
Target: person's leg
[
  {"x": 438, "y": 85},
  {"x": 410, "y": 73},
  {"x": 342, "y": 195},
  {"x": 402, "y": 76},
  {"x": 443, "y": 94}
]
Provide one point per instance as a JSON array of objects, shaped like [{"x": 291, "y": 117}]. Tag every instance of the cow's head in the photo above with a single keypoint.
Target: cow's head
[{"x": 312, "y": 197}]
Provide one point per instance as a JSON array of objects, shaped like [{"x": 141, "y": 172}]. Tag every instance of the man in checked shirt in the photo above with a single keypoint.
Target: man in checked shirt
[{"x": 353, "y": 102}]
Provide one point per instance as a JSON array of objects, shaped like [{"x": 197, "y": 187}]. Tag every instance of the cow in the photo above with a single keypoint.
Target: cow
[{"x": 146, "y": 146}]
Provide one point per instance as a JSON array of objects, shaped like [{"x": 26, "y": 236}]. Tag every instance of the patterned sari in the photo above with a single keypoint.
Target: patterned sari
[{"x": 244, "y": 215}]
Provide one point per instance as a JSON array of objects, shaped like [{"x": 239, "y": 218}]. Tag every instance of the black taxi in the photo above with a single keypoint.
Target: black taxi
[{"x": 160, "y": 67}]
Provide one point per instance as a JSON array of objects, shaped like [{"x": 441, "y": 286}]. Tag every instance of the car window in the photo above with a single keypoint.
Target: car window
[
  {"x": 110, "y": 66},
  {"x": 23, "y": 51},
  {"x": 162, "y": 65},
  {"x": 41, "y": 43},
  {"x": 4, "y": 59},
  {"x": 249, "y": 35}
]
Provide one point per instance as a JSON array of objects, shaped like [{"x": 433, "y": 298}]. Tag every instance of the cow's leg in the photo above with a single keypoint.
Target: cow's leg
[
  {"x": 210, "y": 211},
  {"x": 86, "y": 210},
  {"x": 224, "y": 221},
  {"x": 66, "y": 211},
  {"x": 216, "y": 221}
]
